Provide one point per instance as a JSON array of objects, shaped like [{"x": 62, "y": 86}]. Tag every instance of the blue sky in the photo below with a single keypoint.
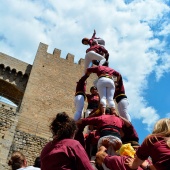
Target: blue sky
[{"x": 137, "y": 36}]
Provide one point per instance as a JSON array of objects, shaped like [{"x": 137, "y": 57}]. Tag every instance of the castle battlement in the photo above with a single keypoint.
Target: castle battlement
[{"x": 40, "y": 91}]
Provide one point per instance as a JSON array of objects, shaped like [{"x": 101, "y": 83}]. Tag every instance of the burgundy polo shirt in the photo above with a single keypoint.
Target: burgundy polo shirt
[
  {"x": 158, "y": 150},
  {"x": 99, "y": 70},
  {"x": 117, "y": 163},
  {"x": 98, "y": 49},
  {"x": 67, "y": 154},
  {"x": 102, "y": 121}
]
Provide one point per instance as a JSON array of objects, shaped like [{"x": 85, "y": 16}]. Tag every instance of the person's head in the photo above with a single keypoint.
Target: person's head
[
  {"x": 162, "y": 127},
  {"x": 93, "y": 90},
  {"x": 108, "y": 111},
  {"x": 17, "y": 160},
  {"x": 106, "y": 63},
  {"x": 85, "y": 41},
  {"x": 63, "y": 126},
  {"x": 37, "y": 162}
]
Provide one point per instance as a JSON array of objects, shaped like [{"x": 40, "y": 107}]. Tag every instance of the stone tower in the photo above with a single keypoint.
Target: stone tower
[{"x": 40, "y": 91}]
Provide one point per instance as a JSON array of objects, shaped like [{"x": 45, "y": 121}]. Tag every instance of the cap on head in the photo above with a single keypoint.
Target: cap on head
[{"x": 85, "y": 41}]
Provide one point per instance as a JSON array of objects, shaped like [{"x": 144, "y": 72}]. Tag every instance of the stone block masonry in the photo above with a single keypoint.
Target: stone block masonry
[{"x": 44, "y": 89}]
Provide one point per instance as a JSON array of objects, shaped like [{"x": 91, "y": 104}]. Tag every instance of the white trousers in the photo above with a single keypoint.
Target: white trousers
[
  {"x": 88, "y": 111},
  {"x": 113, "y": 140},
  {"x": 106, "y": 90},
  {"x": 92, "y": 55},
  {"x": 79, "y": 105},
  {"x": 122, "y": 108}
]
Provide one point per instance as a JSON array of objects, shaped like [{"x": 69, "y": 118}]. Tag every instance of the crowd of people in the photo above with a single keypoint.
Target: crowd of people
[{"x": 110, "y": 141}]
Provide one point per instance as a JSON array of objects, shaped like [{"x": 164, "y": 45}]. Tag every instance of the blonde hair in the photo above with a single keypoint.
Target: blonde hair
[
  {"x": 161, "y": 129},
  {"x": 17, "y": 160}
]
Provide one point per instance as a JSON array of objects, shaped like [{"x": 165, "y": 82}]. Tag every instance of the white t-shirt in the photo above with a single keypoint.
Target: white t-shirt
[{"x": 29, "y": 168}]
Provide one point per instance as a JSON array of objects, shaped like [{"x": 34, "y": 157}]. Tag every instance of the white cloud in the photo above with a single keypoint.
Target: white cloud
[
  {"x": 168, "y": 115},
  {"x": 164, "y": 66},
  {"x": 126, "y": 29}
]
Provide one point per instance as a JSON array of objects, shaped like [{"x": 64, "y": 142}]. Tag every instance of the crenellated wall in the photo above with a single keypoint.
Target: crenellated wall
[
  {"x": 14, "y": 75},
  {"x": 48, "y": 89}
]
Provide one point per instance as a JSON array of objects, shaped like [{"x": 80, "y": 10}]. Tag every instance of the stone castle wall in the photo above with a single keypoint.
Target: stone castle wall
[
  {"x": 8, "y": 123},
  {"x": 50, "y": 89}
]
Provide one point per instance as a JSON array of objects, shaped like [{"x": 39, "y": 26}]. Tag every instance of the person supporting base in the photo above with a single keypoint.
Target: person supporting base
[
  {"x": 121, "y": 98},
  {"x": 105, "y": 86},
  {"x": 80, "y": 97}
]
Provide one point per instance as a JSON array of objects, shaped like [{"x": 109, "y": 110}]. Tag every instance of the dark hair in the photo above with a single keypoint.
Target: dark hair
[
  {"x": 63, "y": 126},
  {"x": 93, "y": 87},
  {"x": 84, "y": 40},
  {"x": 17, "y": 160},
  {"x": 37, "y": 162},
  {"x": 106, "y": 64}
]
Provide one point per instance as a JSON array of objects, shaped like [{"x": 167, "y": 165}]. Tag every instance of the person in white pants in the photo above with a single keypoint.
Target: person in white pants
[
  {"x": 80, "y": 97},
  {"x": 121, "y": 98},
  {"x": 95, "y": 52},
  {"x": 105, "y": 86}
]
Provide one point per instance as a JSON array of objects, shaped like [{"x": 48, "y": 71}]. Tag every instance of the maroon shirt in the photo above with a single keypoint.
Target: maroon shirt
[
  {"x": 99, "y": 70},
  {"x": 81, "y": 84},
  {"x": 93, "y": 101},
  {"x": 98, "y": 49},
  {"x": 158, "y": 150},
  {"x": 102, "y": 121},
  {"x": 67, "y": 154},
  {"x": 130, "y": 134},
  {"x": 119, "y": 86},
  {"x": 90, "y": 42},
  {"x": 117, "y": 163}
]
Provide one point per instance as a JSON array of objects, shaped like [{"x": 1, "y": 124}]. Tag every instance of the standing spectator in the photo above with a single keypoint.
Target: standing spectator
[
  {"x": 63, "y": 152},
  {"x": 18, "y": 162},
  {"x": 156, "y": 146}
]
